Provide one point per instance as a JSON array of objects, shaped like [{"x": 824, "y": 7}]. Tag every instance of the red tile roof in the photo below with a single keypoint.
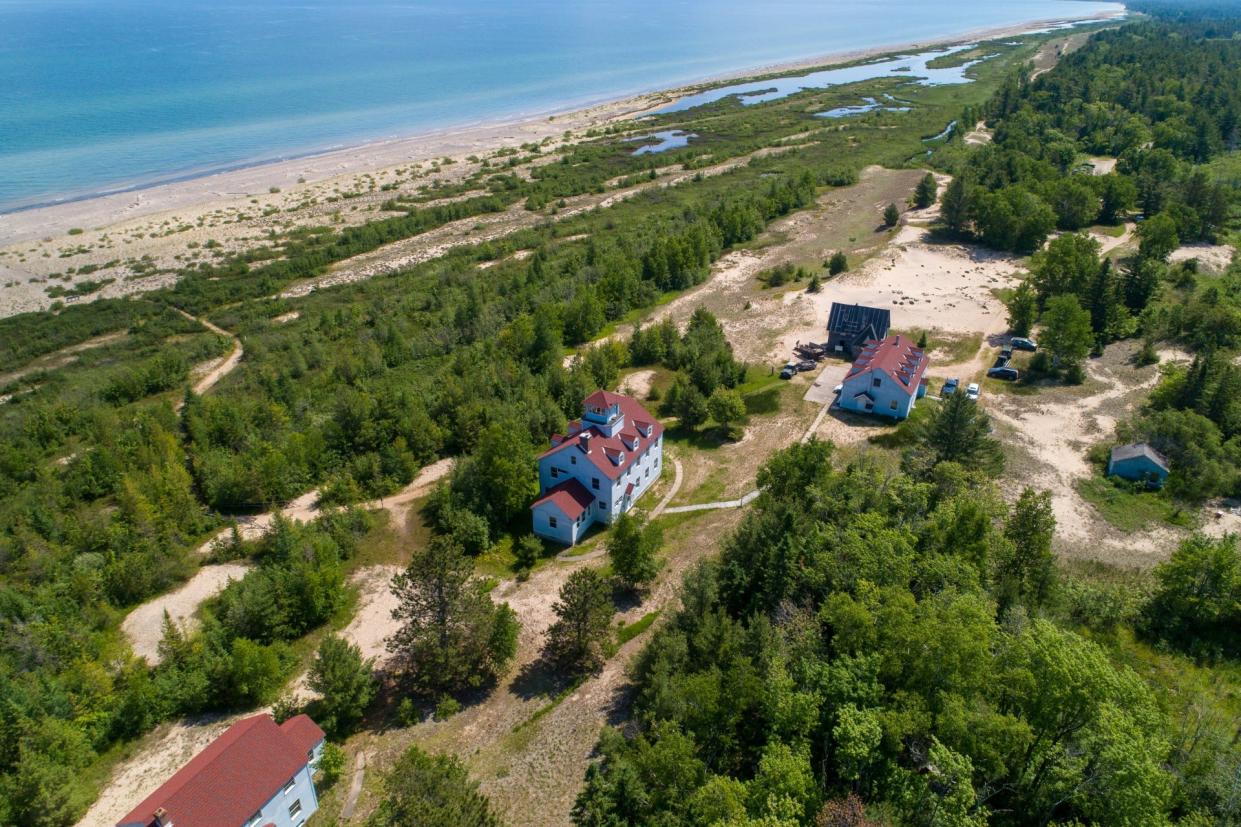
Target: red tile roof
[
  {"x": 570, "y": 497},
  {"x": 897, "y": 357},
  {"x": 231, "y": 780},
  {"x": 600, "y": 446}
]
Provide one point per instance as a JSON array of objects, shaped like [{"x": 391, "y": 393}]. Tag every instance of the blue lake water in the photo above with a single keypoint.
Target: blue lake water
[
  {"x": 868, "y": 105},
  {"x": 664, "y": 141},
  {"x": 98, "y": 94}
]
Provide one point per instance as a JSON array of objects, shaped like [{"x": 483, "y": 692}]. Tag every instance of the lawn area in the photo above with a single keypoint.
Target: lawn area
[
  {"x": 947, "y": 348},
  {"x": 1127, "y": 509}
]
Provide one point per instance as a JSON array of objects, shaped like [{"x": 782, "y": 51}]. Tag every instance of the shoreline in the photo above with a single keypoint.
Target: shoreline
[{"x": 191, "y": 190}]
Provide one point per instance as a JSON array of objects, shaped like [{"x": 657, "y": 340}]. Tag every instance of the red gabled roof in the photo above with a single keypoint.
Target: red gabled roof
[
  {"x": 231, "y": 780},
  {"x": 600, "y": 446},
  {"x": 570, "y": 497},
  {"x": 896, "y": 356},
  {"x": 604, "y": 399}
]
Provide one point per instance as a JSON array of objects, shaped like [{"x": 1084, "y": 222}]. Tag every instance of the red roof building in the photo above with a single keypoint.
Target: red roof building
[
  {"x": 599, "y": 468},
  {"x": 887, "y": 378},
  {"x": 256, "y": 773}
]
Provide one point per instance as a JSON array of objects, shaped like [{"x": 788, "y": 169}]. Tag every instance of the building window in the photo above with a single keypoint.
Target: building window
[
  {"x": 594, "y": 483},
  {"x": 555, "y": 472},
  {"x": 551, "y": 521},
  {"x": 648, "y": 473},
  {"x": 877, "y": 382},
  {"x": 288, "y": 788},
  {"x": 573, "y": 460},
  {"x": 892, "y": 404},
  {"x": 295, "y": 808},
  {"x": 602, "y": 504},
  {"x": 255, "y": 819}
]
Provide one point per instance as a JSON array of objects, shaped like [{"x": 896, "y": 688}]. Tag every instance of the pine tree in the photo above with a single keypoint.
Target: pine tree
[
  {"x": 956, "y": 207},
  {"x": 891, "y": 215},
  {"x": 583, "y": 613},
  {"x": 452, "y": 636},
  {"x": 926, "y": 192}
]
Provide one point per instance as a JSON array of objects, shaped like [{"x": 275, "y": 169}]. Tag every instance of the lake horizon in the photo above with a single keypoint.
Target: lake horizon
[{"x": 116, "y": 96}]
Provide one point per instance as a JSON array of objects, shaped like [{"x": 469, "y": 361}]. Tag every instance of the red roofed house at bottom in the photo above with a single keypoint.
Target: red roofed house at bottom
[
  {"x": 886, "y": 379},
  {"x": 599, "y": 469},
  {"x": 256, "y": 774}
]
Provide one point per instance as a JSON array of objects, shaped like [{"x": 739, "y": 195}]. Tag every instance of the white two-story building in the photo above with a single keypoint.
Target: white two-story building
[{"x": 599, "y": 469}]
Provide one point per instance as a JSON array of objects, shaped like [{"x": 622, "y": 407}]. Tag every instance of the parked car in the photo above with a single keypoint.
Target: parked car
[
  {"x": 1006, "y": 373},
  {"x": 950, "y": 387},
  {"x": 806, "y": 365},
  {"x": 1022, "y": 343},
  {"x": 973, "y": 391},
  {"x": 788, "y": 371},
  {"x": 1001, "y": 361}
]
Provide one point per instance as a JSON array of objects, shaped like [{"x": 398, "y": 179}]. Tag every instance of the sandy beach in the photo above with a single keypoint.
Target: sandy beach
[{"x": 139, "y": 238}]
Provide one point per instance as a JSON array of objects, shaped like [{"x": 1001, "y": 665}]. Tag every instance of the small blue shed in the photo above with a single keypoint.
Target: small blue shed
[{"x": 1138, "y": 462}]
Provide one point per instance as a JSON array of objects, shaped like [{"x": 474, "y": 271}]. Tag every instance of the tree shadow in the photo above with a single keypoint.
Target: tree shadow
[{"x": 540, "y": 679}]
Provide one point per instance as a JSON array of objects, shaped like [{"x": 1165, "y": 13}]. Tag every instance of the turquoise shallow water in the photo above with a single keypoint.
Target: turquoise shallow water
[{"x": 103, "y": 94}]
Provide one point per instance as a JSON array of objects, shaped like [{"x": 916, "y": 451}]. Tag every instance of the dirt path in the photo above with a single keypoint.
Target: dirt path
[
  {"x": 306, "y": 508},
  {"x": 219, "y": 370},
  {"x": 144, "y": 625},
  {"x": 678, "y": 477},
  {"x": 355, "y": 788}
]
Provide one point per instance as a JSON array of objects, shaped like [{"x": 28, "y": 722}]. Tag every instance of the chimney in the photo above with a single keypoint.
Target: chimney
[
  {"x": 161, "y": 817},
  {"x": 584, "y": 441}
]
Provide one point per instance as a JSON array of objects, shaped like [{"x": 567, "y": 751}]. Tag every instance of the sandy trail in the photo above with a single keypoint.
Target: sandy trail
[
  {"x": 218, "y": 370},
  {"x": 144, "y": 625}
]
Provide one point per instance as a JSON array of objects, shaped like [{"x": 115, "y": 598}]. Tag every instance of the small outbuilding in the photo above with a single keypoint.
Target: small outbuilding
[
  {"x": 851, "y": 326},
  {"x": 1138, "y": 462}
]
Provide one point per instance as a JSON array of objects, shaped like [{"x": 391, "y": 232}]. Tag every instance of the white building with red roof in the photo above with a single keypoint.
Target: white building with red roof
[
  {"x": 599, "y": 469},
  {"x": 256, "y": 774},
  {"x": 887, "y": 378}
]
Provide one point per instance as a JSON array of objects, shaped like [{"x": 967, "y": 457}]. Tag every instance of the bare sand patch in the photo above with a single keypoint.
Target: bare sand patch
[
  {"x": 1213, "y": 258},
  {"x": 1102, "y": 165},
  {"x": 1057, "y": 428},
  {"x": 637, "y": 384},
  {"x": 144, "y": 625},
  {"x": 948, "y": 286}
]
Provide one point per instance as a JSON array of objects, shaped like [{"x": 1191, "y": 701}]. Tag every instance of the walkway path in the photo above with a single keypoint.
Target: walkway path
[
  {"x": 672, "y": 492},
  {"x": 221, "y": 370},
  {"x": 355, "y": 788}
]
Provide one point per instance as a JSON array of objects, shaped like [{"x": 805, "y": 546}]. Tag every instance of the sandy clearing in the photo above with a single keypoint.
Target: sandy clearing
[
  {"x": 637, "y": 384},
  {"x": 948, "y": 286},
  {"x": 144, "y": 625},
  {"x": 1213, "y": 258},
  {"x": 1102, "y": 165},
  {"x": 1056, "y": 430},
  {"x": 979, "y": 135}
]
